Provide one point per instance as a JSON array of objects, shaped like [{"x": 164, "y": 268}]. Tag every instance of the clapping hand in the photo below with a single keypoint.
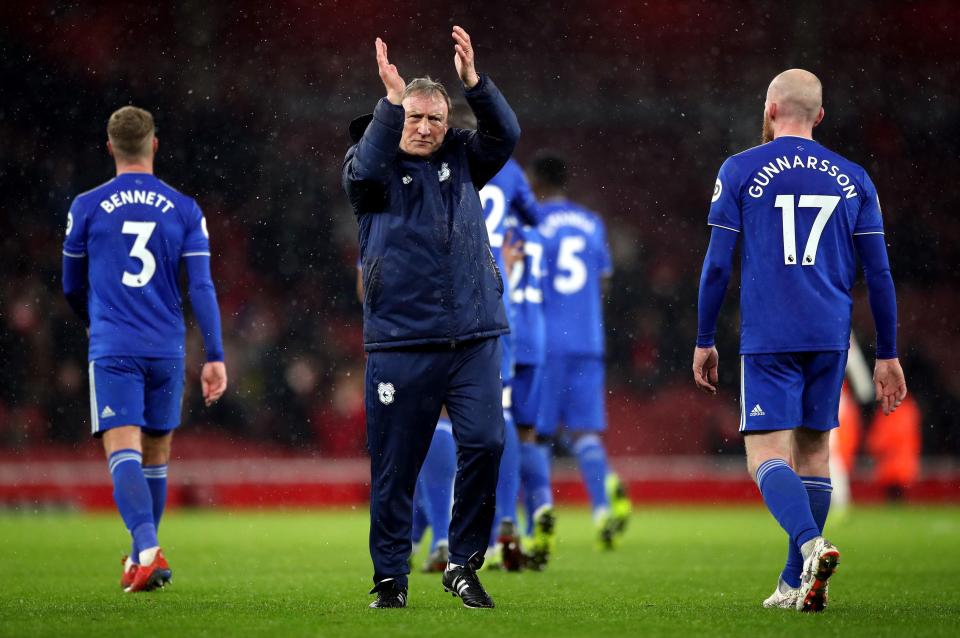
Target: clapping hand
[
  {"x": 389, "y": 74},
  {"x": 463, "y": 58}
]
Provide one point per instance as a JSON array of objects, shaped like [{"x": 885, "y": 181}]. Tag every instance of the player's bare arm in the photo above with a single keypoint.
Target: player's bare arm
[
  {"x": 389, "y": 75},
  {"x": 463, "y": 58},
  {"x": 890, "y": 384},
  {"x": 706, "y": 363}
]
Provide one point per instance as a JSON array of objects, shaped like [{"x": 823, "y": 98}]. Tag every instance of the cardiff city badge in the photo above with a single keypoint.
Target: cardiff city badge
[{"x": 385, "y": 391}]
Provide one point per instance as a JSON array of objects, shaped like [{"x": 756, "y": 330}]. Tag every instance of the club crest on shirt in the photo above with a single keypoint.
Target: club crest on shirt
[
  {"x": 444, "y": 172},
  {"x": 385, "y": 391}
]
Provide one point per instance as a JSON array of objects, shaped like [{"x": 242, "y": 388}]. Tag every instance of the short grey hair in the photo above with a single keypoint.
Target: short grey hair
[{"x": 430, "y": 87}]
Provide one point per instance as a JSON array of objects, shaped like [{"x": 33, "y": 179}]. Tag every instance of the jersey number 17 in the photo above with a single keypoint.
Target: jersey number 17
[{"x": 826, "y": 203}]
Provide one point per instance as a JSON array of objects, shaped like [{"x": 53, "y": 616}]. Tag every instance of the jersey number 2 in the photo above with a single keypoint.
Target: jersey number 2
[
  {"x": 492, "y": 194},
  {"x": 826, "y": 203},
  {"x": 142, "y": 230}
]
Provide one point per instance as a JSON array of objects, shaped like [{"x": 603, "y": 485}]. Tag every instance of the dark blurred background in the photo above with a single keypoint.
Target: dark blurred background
[{"x": 252, "y": 102}]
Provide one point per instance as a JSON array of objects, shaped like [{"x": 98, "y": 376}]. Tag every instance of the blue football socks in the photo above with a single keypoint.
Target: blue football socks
[
  {"x": 786, "y": 498},
  {"x": 437, "y": 475},
  {"x": 592, "y": 458},
  {"x": 132, "y": 496},
  {"x": 508, "y": 483},
  {"x": 421, "y": 508},
  {"x": 819, "y": 489},
  {"x": 535, "y": 476},
  {"x": 156, "y": 476}
]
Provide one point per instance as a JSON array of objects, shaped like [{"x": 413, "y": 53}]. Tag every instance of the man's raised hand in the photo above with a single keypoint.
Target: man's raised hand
[
  {"x": 389, "y": 74},
  {"x": 463, "y": 58}
]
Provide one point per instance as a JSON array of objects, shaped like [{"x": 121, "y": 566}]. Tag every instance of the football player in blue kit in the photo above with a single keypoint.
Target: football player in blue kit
[
  {"x": 121, "y": 261},
  {"x": 507, "y": 195},
  {"x": 528, "y": 329},
  {"x": 804, "y": 214},
  {"x": 577, "y": 262}
]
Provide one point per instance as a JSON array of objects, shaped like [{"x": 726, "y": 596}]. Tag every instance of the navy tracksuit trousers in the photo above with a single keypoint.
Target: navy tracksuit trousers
[{"x": 405, "y": 390}]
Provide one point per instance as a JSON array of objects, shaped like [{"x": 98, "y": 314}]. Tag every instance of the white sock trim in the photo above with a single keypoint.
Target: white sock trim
[{"x": 148, "y": 555}]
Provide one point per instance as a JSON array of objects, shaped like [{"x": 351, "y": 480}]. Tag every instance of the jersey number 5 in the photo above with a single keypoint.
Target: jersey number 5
[
  {"x": 142, "y": 230},
  {"x": 826, "y": 203},
  {"x": 569, "y": 260}
]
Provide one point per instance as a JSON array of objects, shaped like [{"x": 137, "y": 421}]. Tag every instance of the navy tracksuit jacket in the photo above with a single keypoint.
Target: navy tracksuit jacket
[{"x": 431, "y": 311}]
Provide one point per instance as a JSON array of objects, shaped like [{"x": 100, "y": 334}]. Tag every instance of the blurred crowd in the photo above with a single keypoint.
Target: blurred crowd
[{"x": 252, "y": 104}]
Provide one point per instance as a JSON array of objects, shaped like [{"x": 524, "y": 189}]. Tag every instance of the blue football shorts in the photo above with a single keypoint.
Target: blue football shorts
[
  {"x": 783, "y": 391},
  {"x": 136, "y": 391},
  {"x": 526, "y": 393},
  {"x": 572, "y": 395}
]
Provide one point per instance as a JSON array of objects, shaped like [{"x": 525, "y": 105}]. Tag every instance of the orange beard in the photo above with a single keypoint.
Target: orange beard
[{"x": 767, "y": 134}]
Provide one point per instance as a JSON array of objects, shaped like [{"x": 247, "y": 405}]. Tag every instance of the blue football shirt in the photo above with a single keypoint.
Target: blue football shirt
[
  {"x": 577, "y": 260},
  {"x": 797, "y": 206},
  {"x": 508, "y": 193},
  {"x": 134, "y": 230},
  {"x": 526, "y": 296}
]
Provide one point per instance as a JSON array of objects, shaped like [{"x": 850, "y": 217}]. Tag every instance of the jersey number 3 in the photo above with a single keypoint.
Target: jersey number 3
[
  {"x": 142, "y": 230},
  {"x": 826, "y": 203}
]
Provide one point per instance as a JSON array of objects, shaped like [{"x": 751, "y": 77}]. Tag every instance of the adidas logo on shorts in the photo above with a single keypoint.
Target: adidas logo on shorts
[{"x": 757, "y": 411}]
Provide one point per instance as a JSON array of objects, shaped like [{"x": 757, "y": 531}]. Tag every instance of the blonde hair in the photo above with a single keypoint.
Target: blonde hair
[{"x": 130, "y": 130}]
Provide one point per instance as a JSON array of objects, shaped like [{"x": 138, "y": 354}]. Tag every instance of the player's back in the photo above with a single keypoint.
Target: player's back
[
  {"x": 577, "y": 260},
  {"x": 506, "y": 192},
  {"x": 134, "y": 230},
  {"x": 798, "y": 206}
]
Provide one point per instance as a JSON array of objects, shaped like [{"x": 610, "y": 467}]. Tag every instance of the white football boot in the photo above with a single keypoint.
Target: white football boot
[
  {"x": 783, "y": 597},
  {"x": 819, "y": 565}
]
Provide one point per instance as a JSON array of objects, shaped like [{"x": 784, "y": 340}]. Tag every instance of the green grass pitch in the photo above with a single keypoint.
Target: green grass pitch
[{"x": 679, "y": 572}]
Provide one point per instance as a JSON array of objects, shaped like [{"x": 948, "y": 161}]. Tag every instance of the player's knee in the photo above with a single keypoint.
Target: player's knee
[
  {"x": 756, "y": 458},
  {"x": 527, "y": 434},
  {"x": 156, "y": 447},
  {"x": 126, "y": 437},
  {"x": 584, "y": 437}
]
